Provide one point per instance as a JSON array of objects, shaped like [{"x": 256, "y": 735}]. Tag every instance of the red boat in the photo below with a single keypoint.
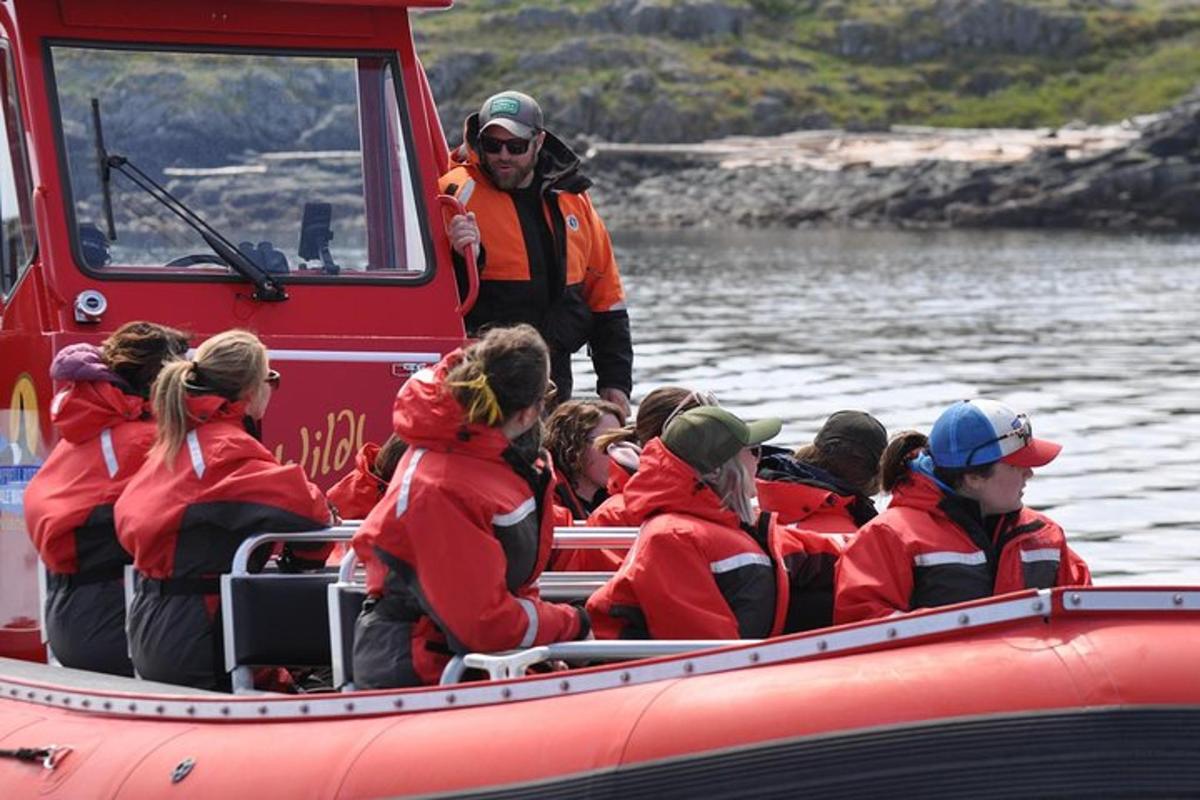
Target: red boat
[
  {"x": 272, "y": 164},
  {"x": 347, "y": 276},
  {"x": 1075, "y": 693}
]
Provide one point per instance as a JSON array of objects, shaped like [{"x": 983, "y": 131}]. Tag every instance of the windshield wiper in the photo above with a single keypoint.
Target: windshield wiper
[{"x": 268, "y": 289}]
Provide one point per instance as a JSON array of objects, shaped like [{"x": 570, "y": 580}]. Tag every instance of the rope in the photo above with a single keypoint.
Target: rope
[{"x": 48, "y": 756}]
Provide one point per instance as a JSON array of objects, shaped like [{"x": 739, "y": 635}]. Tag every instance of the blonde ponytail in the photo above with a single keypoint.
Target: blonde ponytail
[
  {"x": 230, "y": 364},
  {"x": 169, "y": 400}
]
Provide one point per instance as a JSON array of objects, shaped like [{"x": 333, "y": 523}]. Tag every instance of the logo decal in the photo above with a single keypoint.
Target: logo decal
[
  {"x": 23, "y": 428},
  {"x": 505, "y": 105},
  {"x": 572, "y": 222}
]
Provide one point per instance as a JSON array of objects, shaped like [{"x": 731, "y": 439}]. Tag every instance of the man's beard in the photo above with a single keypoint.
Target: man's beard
[{"x": 512, "y": 180}]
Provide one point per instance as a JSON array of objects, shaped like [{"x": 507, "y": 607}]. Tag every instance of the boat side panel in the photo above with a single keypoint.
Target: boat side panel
[
  {"x": 977, "y": 674},
  {"x": 500, "y": 744}
]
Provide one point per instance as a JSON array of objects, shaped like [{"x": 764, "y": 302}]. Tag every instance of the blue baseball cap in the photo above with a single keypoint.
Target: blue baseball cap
[{"x": 972, "y": 433}]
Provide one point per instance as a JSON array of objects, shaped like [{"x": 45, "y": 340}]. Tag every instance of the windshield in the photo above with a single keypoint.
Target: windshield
[{"x": 301, "y": 161}]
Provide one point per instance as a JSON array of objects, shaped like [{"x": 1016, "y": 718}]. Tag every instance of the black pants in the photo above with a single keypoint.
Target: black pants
[
  {"x": 382, "y": 651},
  {"x": 85, "y": 624},
  {"x": 173, "y": 639}
]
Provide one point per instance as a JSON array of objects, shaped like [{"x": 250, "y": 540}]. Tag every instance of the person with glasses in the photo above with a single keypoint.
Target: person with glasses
[
  {"x": 581, "y": 470},
  {"x": 624, "y": 446},
  {"x": 544, "y": 255},
  {"x": 206, "y": 486},
  {"x": 957, "y": 528},
  {"x": 105, "y": 428},
  {"x": 455, "y": 548}
]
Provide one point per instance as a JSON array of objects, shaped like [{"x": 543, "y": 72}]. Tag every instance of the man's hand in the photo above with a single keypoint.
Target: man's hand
[
  {"x": 464, "y": 232},
  {"x": 616, "y": 397}
]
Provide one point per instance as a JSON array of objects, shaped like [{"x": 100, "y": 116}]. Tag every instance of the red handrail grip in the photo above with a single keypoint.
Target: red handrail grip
[{"x": 451, "y": 207}]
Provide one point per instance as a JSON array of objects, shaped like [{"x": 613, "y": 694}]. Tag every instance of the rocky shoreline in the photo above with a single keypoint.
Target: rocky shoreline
[{"x": 1142, "y": 175}]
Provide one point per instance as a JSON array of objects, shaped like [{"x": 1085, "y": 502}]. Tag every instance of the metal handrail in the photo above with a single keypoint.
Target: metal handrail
[
  {"x": 513, "y": 664},
  {"x": 241, "y": 558},
  {"x": 594, "y": 538},
  {"x": 572, "y": 538}
]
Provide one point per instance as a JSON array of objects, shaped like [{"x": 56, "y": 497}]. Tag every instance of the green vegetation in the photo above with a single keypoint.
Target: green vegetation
[{"x": 848, "y": 62}]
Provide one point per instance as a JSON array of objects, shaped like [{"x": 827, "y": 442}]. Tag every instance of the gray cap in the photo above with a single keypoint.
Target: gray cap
[
  {"x": 708, "y": 436},
  {"x": 517, "y": 113}
]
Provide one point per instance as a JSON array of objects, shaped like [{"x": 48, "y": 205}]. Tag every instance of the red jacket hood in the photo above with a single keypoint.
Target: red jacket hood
[
  {"x": 664, "y": 482},
  {"x": 85, "y": 408},
  {"x": 360, "y": 489},
  {"x": 426, "y": 415},
  {"x": 205, "y": 408},
  {"x": 918, "y": 491},
  {"x": 794, "y": 501}
]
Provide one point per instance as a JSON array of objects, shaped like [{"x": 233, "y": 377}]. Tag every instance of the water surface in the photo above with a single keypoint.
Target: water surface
[{"x": 1095, "y": 336}]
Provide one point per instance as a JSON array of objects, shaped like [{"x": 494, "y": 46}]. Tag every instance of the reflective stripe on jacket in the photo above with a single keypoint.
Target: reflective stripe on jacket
[
  {"x": 586, "y": 304},
  {"x": 188, "y": 518},
  {"x": 930, "y": 549},
  {"x": 694, "y": 572},
  {"x": 462, "y": 536},
  {"x": 105, "y": 435}
]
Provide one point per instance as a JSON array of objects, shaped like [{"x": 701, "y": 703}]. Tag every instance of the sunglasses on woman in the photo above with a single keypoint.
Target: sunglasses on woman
[
  {"x": 1023, "y": 431},
  {"x": 492, "y": 145},
  {"x": 272, "y": 379}
]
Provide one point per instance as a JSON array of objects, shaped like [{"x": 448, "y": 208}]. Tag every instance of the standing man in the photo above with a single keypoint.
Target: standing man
[{"x": 544, "y": 255}]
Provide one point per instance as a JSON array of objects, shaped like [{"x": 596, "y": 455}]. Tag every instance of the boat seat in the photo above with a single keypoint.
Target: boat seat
[
  {"x": 346, "y": 596},
  {"x": 272, "y": 618}
]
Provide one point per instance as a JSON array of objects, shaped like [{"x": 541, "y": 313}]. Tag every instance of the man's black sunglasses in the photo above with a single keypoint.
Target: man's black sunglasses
[{"x": 492, "y": 145}]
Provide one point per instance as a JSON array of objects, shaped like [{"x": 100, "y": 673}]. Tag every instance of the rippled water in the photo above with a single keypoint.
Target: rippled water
[{"x": 1094, "y": 336}]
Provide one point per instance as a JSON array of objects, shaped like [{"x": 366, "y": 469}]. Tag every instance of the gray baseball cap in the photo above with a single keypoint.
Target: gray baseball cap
[
  {"x": 708, "y": 436},
  {"x": 517, "y": 113}
]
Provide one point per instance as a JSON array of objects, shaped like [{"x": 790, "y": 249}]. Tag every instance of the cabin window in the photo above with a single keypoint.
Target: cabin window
[
  {"x": 17, "y": 234},
  {"x": 303, "y": 162}
]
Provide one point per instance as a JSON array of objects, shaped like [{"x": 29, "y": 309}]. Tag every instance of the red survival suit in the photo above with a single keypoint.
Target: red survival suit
[
  {"x": 569, "y": 508},
  {"x": 356, "y": 493},
  {"x": 806, "y": 496},
  {"x": 105, "y": 435},
  {"x": 360, "y": 489},
  {"x": 183, "y": 524},
  {"x": 464, "y": 531},
  {"x": 695, "y": 572},
  {"x": 933, "y": 548}
]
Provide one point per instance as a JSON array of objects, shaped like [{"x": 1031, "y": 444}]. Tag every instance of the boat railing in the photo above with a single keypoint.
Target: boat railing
[
  {"x": 347, "y": 594},
  {"x": 272, "y": 618},
  {"x": 514, "y": 664}
]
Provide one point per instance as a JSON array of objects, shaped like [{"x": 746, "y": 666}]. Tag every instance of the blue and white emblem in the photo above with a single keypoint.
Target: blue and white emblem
[{"x": 572, "y": 222}]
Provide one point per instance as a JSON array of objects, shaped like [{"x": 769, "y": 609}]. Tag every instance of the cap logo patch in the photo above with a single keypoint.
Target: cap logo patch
[
  {"x": 572, "y": 222},
  {"x": 506, "y": 106}
]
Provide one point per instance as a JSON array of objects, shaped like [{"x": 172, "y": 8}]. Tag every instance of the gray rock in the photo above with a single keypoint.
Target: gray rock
[
  {"x": 859, "y": 39},
  {"x": 660, "y": 122},
  {"x": 450, "y": 74},
  {"x": 640, "y": 81}
]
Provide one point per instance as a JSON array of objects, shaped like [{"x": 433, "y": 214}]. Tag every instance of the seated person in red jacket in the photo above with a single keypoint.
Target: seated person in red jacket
[
  {"x": 705, "y": 565},
  {"x": 467, "y": 523},
  {"x": 826, "y": 486},
  {"x": 207, "y": 485},
  {"x": 957, "y": 528},
  {"x": 581, "y": 471},
  {"x": 361, "y": 488},
  {"x": 624, "y": 446},
  {"x": 103, "y": 420}
]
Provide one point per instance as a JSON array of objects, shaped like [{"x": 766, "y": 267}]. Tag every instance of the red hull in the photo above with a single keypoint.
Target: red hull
[{"x": 679, "y": 714}]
